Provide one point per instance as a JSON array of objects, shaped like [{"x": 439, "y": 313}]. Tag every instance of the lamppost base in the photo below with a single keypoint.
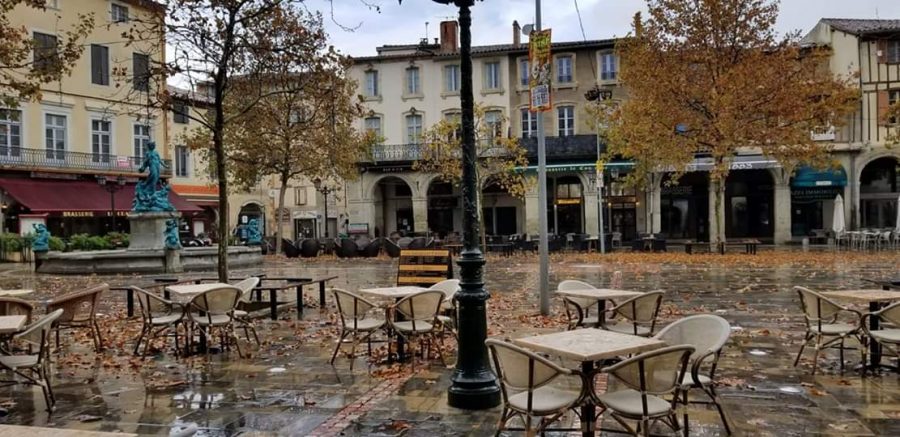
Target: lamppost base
[{"x": 473, "y": 392}]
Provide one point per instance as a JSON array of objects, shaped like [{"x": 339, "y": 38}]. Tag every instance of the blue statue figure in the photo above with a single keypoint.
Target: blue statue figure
[
  {"x": 254, "y": 236},
  {"x": 151, "y": 194},
  {"x": 173, "y": 242},
  {"x": 41, "y": 241}
]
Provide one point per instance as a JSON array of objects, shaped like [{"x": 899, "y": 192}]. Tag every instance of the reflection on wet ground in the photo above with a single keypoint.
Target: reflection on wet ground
[{"x": 287, "y": 387}]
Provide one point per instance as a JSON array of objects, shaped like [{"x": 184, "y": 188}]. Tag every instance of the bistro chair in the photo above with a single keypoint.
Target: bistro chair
[
  {"x": 158, "y": 316},
  {"x": 578, "y": 308},
  {"x": 242, "y": 314},
  {"x": 214, "y": 310},
  {"x": 647, "y": 378},
  {"x": 11, "y": 306},
  {"x": 447, "y": 315},
  {"x": 888, "y": 335},
  {"x": 79, "y": 311},
  {"x": 707, "y": 334},
  {"x": 33, "y": 367},
  {"x": 639, "y": 314},
  {"x": 533, "y": 387},
  {"x": 356, "y": 321},
  {"x": 415, "y": 317},
  {"x": 825, "y": 327}
]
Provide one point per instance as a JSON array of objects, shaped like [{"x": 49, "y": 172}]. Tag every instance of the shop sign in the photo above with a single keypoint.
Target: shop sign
[
  {"x": 118, "y": 214},
  {"x": 443, "y": 202},
  {"x": 812, "y": 193},
  {"x": 358, "y": 228},
  {"x": 677, "y": 190},
  {"x": 541, "y": 67},
  {"x": 77, "y": 214},
  {"x": 568, "y": 201},
  {"x": 395, "y": 169}
]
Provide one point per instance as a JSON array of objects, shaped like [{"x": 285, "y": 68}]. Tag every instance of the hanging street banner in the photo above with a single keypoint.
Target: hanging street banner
[{"x": 541, "y": 63}]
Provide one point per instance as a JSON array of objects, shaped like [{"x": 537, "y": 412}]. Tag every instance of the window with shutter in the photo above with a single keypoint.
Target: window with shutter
[
  {"x": 45, "y": 56},
  {"x": 99, "y": 64}
]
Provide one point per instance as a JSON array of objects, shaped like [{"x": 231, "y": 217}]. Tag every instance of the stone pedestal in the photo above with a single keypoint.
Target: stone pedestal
[
  {"x": 173, "y": 261},
  {"x": 148, "y": 229}
]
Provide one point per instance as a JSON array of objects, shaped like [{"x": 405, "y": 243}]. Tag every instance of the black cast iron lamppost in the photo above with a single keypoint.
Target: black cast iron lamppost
[
  {"x": 473, "y": 384},
  {"x": 322, "y": 187},
  {"x": 112, "y": 189}
]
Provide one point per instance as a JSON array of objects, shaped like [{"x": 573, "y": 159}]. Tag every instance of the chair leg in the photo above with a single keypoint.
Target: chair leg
[
  {"x": 353, "y": 345},
  {"x": 684, "y": 399},
  {"x": 337, "y": 348},
  {"x": 711, "y": 392},
  {"x": 137, "y": 344},
  {"x": 96, "y": 327},
  {"x": 818, "y": 347},
  {"x": 841, "y": 352},
  {"x": 501, "y": 424}
]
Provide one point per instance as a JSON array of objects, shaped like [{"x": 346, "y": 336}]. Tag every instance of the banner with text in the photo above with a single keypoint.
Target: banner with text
[{"x": 541, "y": 63}]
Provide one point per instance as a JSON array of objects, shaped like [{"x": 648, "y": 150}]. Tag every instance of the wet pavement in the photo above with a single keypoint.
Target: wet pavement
[{"x": 287, "y": 387}]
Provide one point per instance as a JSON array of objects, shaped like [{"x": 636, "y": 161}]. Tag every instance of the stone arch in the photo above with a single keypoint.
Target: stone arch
[
  {"x": 373, "y": 185},
  {"x": 866, "y": 159}
]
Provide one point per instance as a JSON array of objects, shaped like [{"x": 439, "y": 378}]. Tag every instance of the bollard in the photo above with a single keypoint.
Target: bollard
[{"x": 806, "y": 244}]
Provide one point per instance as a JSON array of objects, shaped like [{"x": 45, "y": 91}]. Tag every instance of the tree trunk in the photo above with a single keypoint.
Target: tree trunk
[
  {"x": 720, "y": 227},
  {"x": 224, "y": 229},
  {"x": 278, "y": 212}
]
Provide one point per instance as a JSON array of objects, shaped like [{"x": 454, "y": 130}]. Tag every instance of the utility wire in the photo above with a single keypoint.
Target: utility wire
[{"x": 584, "y": 35}]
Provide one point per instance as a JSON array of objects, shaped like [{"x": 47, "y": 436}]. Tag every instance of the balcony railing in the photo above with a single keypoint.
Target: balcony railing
[
  {"x": 395, "y": 152},
  {"x": 45, "y": 159}
]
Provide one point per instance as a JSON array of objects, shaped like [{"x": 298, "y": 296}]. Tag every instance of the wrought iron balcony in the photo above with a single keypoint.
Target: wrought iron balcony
[
  {"x": 20, "y": 158},
  {"x": 395, "y": 153}
]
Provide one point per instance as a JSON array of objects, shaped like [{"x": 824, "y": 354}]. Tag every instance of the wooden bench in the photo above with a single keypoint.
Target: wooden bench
[
  {"x": 689, "y": 246},
  {"x": 424, "y": 267}
]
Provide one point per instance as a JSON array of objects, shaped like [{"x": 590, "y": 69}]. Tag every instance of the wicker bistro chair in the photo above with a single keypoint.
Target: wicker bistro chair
[
  {"x": 824, "y": 326},
  {"x": 647, "y": 378},
  {"x": 578, "y": 309},
  {"x": 33, "y": 367},
  {"x": 532, "y": 386},
  {"x": 10, "y": 306},
  {"x": 356, "y": 321},
  {"x": 79, "y": 311},
  {"x": 418, "y": 318},
  {"x": 242, "y": 314},
  {"x": 448, "y": 313},
  {"x": 158, "y": 316},
  {"x": 889, "y": 335},
  {"x": 708, "y": 334},
  {"x": 214, "y": 309},
  {"x": 639, "y": 314}
]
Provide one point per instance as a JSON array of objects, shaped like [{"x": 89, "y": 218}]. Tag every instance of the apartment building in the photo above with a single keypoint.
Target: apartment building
[
  {"x": 408, "y": 88},
  {"x": 71, "y": 159}
]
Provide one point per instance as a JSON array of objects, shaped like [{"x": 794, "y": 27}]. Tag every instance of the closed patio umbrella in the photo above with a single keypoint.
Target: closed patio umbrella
[{"x": 837, "y": 224}]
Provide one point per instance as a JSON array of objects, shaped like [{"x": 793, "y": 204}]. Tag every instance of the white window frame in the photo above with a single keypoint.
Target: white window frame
[
  {"x": 7, "y": 123},
  {"x": 379, "y": 131},
  {"x": 113, "y": 6},
  {"x": 414, "y": 132},
  {"x": 493, "y": 79},
  {"x": 97, "y": 154},
  {"x": 528, "y": 123},
  {"x": 605, "y": 75},
  {"x": 451, "y": 77},
  {"x": 557, "y": 72},
  {"x": 300, "y": 196},
  {"x": 55, "y": 153},
  {"x": 565, "y": 122},
  {"x": 527, "y": 76},
  {"x": 139, "y": 141},
  {"x": 496, "y": 124},
  {"x": 371, "y": 83},
  {"x": 185, "y": 163},
  {"x": 413, "y": 81}
]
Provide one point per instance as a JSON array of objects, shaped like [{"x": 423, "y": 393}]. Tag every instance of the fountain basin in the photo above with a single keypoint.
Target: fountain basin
[{"x": 126, "y": 261}]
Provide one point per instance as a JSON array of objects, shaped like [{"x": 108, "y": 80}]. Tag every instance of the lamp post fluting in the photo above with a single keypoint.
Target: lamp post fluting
[{"x": 473, "y": 384}]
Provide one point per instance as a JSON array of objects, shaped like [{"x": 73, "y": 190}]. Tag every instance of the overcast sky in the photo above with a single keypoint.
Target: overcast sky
[{"x": 492, "y": 19}]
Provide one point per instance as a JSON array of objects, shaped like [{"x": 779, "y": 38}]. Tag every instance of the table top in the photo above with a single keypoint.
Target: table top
[
  {"x": 34, "y": 431},
  {"x": 15, "y": 292},
  {"x": 392, "y": 292},
  {"x": 12, "y": 324},
  {"x": 193, "y": 289},
  {"x": 599, "y": 293},
  {"x": 872, "y": 295},
  {"x": 589, "y": 344}
]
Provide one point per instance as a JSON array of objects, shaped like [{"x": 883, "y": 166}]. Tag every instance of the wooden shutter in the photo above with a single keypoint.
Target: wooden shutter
[
  {"x": 881, "y": 53},
  {"x": 141, "y": 71},
  {"x": 883, "y": 107},
  {"x": 99, "y": 65}
]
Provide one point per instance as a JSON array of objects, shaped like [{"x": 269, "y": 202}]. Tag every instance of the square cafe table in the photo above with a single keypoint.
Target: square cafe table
[
  {"x": 588, "y": 346},
  {"x": 395, "y": 293},
  {"x": 188, "y": 291},
  {"x": 12, "y": 324},
  {"x": 877, "y": 299},
  {"x": 601, "y": 295}
]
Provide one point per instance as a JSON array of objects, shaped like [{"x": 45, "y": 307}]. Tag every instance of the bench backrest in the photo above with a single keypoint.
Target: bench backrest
[{"x": 424, "y": 267}]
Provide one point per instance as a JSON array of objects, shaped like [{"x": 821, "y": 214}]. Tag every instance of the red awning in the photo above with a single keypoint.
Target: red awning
[{"x": 50, "y": 196}]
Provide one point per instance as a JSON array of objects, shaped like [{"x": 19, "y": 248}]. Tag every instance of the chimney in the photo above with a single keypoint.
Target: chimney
[
  {"x": 517, "y": 34},
  {"x": 449, "y": 36}
]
